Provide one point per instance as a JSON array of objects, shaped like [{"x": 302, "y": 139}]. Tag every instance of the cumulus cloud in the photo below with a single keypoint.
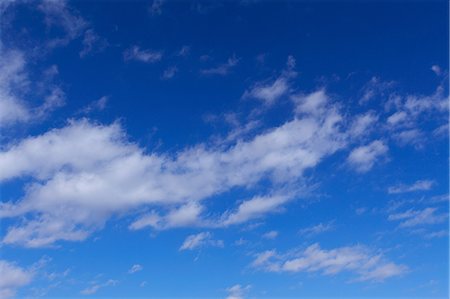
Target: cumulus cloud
[
  {"x": 362, "y": 262},
  {"x": 420, "y": 185},
  {"x": 363, "y": 158},
  {"x": 13, "y": 277},
  {"x": 84, "y": 173},
  {"x": 199, "y": 240},
  {"x": 142, "y": 55}
]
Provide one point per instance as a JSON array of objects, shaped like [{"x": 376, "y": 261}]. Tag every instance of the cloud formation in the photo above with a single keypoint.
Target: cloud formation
[{"x": 365, "y": 264}]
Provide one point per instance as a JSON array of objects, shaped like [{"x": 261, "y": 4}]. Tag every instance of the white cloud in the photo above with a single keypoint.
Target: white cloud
[
  {"x": 363, "y": 124},
  {"x": 92, "y": 42},
  {"x": 316, "y": 229},
  {"x": 436, "y": 69},
  {"x": 98, "y": 105},
  {"x": 95, "y": 287},
  {"x": 84, "y": 173},
  {"x": 13, "y": 277},
  {"x": 15, "y": 85},
  {"x": 237, "y": 291},
  {"x": 412, "y": 218},
  {"x": 364, "y": 157},
  {"x": 135, "y": 268},
  {"x": 359, "y": 260},
  {"x": 270, "y": 91},
  {"x": 138, "y": 54},
  {"x": 255, "y": 208},
  {"x": 222, "y": 69},
  {"x": 200, "y": 240},
  {"x": 58, "y": 14},
  {"x": 270, "y": 235},
  {"x": 375, "y": 88},
  {"x": 169, "y": 72},
  {"x": 420, "y": 185}
]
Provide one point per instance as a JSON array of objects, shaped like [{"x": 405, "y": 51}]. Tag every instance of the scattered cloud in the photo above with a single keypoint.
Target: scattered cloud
[
  {"x": 92, "y": 43},
  {"x": 95, "y": 287},
  {"x": 365, "y": 264},
  {"x": 59, "y": 14},
  {"x": 170, "y": 72},
  {"x": 199, "y": 240},
  {"x": 15, "y": 85},
  {"x": 237, "y": 291},
  {"x": 98, "y": 105},
  {"x": 138, "y": 54},
  {"x": 13, "y": 277},
  {"x": 135, "y": 268},
  {"x": 317, "y": 229},
  {"x": 363, "y": 158},
  {"x": 411, "y": 218},
  {"x": 436, "y": 69},
  {"x": 270, "y": 235},
  {"x": 269, "y": 91},
  {"x": 420, "y": 185}
]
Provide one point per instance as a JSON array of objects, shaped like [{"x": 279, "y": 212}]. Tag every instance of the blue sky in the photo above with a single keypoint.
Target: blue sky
[{"x": 248, "y": 149}]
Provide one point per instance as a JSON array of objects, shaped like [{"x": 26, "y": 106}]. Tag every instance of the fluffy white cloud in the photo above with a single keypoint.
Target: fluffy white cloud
[
  {"x": 364, "y": 263},
  {"x": 200, "y": 240},
  {"x": 12, "y": 278},
  {"x": 364, "y": 157},
  {"x": 420, "y": 185},
  {"x": 83, "y": 173}
]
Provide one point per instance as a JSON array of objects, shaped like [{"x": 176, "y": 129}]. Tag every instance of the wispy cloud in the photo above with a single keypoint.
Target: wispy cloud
[
  {"x": 412, "y": 218},
  {"x": 237, "y": 291},
  {"x": 200, "y": 240},
  {"x": 142, "y": 55},
  {"x": 135, "y": 268},
  {"x": 317, "y": 229},
  {"x": 420, "y": 185},
  {"x": 95, "y": 287},
  {"x": 222, "y": 69},
  {"x": 359, "y": 260}
]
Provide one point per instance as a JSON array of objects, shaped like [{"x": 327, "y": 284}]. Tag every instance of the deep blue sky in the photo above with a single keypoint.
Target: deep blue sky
[{"x": 224, "y": 149}]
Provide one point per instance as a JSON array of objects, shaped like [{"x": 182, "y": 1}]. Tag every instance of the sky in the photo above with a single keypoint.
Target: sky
[{"x": 224, "y": 149}]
